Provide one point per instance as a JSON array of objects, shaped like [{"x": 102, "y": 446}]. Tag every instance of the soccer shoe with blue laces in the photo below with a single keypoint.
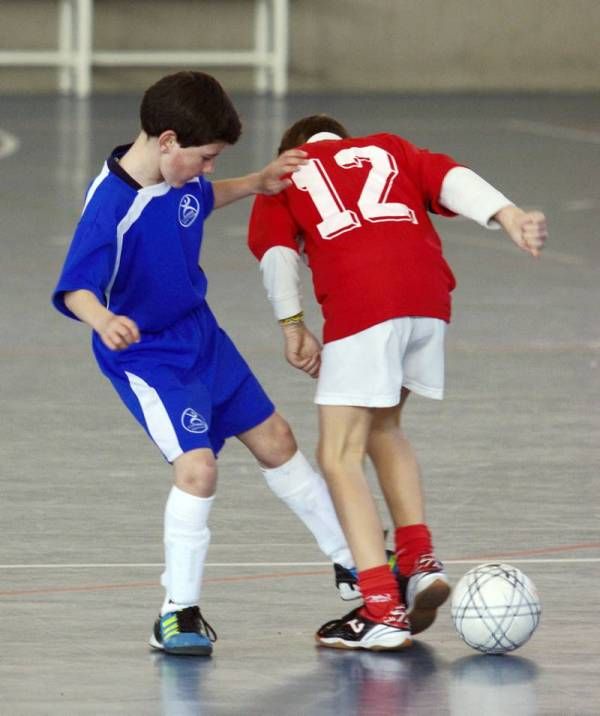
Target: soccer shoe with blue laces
[
  {"x": 346, "y": 580},
  {"x": 183, "y": 632},
  {"x": 355, "y": 631},
  {"x": 427, "y": 589}
]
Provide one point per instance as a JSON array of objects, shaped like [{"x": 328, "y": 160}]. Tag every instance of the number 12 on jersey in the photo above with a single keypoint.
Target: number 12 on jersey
[{"x": 336, "y": 218}]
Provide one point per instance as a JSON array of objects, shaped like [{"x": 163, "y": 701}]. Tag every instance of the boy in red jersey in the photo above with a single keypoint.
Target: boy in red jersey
[{"x": 359, "y": 208}]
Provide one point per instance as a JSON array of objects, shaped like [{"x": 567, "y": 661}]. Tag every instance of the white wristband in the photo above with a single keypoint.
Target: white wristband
[
  {"x": 467, "y": 194},
  {"x": 279, "y": 268}
]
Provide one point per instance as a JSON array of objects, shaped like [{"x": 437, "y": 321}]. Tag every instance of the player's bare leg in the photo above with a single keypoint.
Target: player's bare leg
[
  {"x": 343, "y": 438},
  {"x": 396, "y": 465},
  {"x": 380, "y": 624},
  {"x": 399, "y": 476}
]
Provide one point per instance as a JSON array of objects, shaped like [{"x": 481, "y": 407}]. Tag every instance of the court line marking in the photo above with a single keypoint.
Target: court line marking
[
  {"x": 545, "y": 129},
  {"x": 237, "y": 565},
  {"x": 153, "y": 584},
  {"x": 520, "y": 555},
  {"x": 545, "y": 550},
  {"x": 82, "y": 588},
  {"x": 490, "y": 243},
  {"x": 514, "y": 557},
  {"x": 460, "y": 346},
  {"x": 454, "y": 344}
]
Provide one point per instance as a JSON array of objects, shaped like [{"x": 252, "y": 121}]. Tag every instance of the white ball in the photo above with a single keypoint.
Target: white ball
[{"x": 495, "y": 608}]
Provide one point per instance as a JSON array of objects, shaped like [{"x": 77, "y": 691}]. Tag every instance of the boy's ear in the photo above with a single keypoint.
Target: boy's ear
[{"x": 167, "y": 140}]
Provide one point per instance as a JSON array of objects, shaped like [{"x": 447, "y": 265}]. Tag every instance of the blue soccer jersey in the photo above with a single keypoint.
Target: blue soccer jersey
[{"x": 137, "y": 250}]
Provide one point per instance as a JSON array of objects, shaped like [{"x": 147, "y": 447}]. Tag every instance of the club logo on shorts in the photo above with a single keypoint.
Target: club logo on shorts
[
  {"x": 189, "y": 208},
  {"x": 193, "y": 422}
]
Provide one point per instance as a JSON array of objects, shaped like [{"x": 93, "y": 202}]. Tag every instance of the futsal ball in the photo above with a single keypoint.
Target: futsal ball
[{"x": 495, "y": 608}]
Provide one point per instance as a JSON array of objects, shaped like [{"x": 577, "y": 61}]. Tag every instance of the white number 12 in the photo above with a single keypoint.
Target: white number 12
[{"x": 336, "y": 218}]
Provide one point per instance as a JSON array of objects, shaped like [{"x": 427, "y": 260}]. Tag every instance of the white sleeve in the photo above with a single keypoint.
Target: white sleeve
[
  {"x": 279, "y": 267},
  {"x": 467, "y": 194}
]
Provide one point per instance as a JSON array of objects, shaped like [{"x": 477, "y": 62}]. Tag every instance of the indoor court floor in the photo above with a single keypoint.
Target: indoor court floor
[{"x": 510, "y": 457}]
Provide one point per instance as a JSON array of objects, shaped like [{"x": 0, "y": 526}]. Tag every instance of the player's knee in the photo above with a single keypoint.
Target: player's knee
[
  {"x": 329, "y": 461},
  {"x": 335, "y": 463},
  {"x": 196, "y": 473},
  {"x": 284, "y": 438},
  {"x": 280, "y": 443}
]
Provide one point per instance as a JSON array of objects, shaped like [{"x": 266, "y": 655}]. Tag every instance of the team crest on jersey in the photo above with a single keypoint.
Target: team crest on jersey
[
  {"x": 193, "y": 422},
  {"x": 189, "y": 208}
]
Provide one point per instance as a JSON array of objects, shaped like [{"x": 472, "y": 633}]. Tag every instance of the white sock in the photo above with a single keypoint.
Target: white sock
[
  {"x": 304, "y": 491},
  {"x": 186, "y": 539}
]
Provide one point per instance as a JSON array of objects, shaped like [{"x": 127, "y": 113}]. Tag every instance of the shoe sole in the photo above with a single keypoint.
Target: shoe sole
[
  {"x": 353, "y": 646},
  {"x": 424, "y": 611},
  {"x": 183, "y": 650}
]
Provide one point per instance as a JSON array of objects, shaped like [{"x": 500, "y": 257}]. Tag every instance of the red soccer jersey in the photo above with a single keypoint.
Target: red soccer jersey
[{"x": 361, "y": 207}]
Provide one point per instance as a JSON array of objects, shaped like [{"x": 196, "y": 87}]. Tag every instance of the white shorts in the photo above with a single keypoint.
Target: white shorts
[{"x": 371, "y": 367}]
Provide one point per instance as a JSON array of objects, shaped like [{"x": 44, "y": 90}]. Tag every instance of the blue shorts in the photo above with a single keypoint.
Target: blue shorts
[{"x": 188, "y": 386}]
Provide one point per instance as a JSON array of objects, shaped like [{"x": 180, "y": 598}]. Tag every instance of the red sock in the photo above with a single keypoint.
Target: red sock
[
  {"x": 411, "y": 542},
  {"x": 379, "y": 590}
]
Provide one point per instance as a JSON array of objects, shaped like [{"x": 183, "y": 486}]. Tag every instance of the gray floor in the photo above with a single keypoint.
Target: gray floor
[{"x": 510, "y": 458}]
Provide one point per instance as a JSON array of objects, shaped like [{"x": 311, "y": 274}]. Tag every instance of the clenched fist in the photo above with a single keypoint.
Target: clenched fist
[
  {"x": 526, "y": 228},
  {"x": 118, "y": 332}
]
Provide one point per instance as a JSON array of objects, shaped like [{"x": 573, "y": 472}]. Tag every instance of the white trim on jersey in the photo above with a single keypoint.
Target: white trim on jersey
[
  {"x": 143, "y": 198},
  {"x": 105, "y": 171},
  {"x": 157, "y": 419}
]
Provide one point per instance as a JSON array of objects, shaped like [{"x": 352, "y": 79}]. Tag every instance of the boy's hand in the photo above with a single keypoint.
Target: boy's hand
[
  {"x": 302, "y": 349},
  {"x": 118, "y": 332},
  {"x": 271, "y": 178},
  {"x": 526, "y": 228}
]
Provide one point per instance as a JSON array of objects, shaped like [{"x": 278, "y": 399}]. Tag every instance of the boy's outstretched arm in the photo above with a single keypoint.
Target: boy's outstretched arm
[
  {"x": 469, "y": 195},
  {"x": 526, "y": 228},
  {"x": 116, "y": 332},
  {"x": 271, "y": 180}
]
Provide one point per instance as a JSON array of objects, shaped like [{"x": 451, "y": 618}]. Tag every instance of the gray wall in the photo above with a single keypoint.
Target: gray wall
[{"x": 346, "y": 45}]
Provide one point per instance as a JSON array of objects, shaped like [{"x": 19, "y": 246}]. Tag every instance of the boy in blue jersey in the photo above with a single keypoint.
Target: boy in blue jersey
[{"x": 132, "y": 275}]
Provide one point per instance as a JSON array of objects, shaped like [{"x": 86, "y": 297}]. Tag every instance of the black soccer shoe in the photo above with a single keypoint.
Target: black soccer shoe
[
  {"x": 354, "y": 631},
  {"x": 346, "y": 582}
]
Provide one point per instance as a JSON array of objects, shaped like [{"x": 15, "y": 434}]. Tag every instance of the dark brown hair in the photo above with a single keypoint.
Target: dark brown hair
[
  {"x": 302, "y": 130},
  {"x": 194, "y": 106}
]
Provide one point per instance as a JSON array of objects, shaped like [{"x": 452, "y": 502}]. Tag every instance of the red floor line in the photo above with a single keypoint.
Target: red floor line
[
  {"x": 146, "y": 585},
  {"x": 541, "y": 550},
  {"x": 276, "y": 575}
]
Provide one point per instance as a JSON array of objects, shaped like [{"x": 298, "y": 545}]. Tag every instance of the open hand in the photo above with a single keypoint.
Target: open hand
[{"x": 274, "y": 177}]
